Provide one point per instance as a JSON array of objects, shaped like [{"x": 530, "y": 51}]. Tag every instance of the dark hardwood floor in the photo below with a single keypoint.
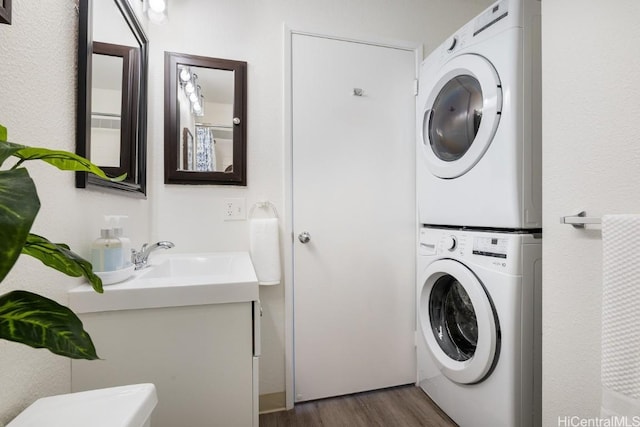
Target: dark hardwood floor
[{"x": 406, "y": 406}]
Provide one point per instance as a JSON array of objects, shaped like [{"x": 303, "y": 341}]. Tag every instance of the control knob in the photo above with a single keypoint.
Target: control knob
[
  {"x": 450, "y": 243},
  {"x": 452, "y": 45}
]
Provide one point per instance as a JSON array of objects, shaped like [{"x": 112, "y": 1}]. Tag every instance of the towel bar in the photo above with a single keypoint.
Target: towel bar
[{"x": 580, "y": 220}]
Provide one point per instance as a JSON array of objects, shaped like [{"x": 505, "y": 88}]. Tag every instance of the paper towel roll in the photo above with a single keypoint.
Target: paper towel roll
[
  {"x": 265, "y": 250},
  {"x": 620, "y": 370}
]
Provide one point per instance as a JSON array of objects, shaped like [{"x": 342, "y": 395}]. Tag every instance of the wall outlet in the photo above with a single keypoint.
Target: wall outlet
[{"x": 234, "y": 209}]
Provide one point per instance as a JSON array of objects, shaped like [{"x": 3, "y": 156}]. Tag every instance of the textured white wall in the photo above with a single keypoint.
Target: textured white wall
[
  {"x": 591, "y": 158},
  {"x": 37, "y": 90},
  {"x": 38, "y": 99}
]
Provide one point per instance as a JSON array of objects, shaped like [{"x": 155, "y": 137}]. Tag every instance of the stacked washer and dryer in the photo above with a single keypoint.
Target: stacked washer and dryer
[{"x": 479, "y": 200}]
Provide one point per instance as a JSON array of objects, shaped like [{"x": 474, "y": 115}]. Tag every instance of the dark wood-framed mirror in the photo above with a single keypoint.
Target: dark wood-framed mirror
[
  {"x": 5, "y": 12},
  {"x": 112, "y": 95},
  {"x": 205, "y": 120}
]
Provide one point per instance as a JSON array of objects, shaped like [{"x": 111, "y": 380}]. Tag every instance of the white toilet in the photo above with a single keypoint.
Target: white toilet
[{"x": 126, "y": 406}]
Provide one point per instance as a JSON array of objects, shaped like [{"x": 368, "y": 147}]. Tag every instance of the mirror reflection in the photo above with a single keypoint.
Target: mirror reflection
[
  {"x": 205, "y": 102},
  {"x": 112, "y": 60},
  {"x": 106, "y": 110},
  {"x": 204, "y": 120}
]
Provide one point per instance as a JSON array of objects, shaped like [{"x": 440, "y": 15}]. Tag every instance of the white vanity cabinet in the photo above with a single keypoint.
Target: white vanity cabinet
[{"x": 202, "y": 357}]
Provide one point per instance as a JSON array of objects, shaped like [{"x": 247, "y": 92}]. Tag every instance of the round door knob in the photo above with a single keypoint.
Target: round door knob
[{"x": 304, "y": 237}]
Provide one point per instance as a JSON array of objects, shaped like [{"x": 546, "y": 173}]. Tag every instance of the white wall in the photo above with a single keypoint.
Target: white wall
[
  {"x": 252, "y": 31},
  {"x": 591, "y": 158},
  {"x": 38, "y": 54}
]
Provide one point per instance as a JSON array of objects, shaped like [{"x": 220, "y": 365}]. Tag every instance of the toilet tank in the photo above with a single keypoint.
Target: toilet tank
[{"x": 125, "y": 406}]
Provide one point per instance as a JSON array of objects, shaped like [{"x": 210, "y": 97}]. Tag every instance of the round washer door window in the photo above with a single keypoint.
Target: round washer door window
[
  {"x": 458, "y": 322},
  {"x": 461, "y": 115},
  {"x": 453, "y": 319}
]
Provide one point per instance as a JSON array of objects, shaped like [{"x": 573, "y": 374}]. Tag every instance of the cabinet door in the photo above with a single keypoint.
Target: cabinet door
[{"x": 199, "y": 357}]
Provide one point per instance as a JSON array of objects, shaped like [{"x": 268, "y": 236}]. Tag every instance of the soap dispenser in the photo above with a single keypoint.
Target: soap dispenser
[
  {"x": 106, "y": 252},
  {"x": 118, "y": 232}
]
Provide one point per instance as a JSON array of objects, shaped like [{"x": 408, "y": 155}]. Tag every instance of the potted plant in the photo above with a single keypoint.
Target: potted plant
[{"x": 26, "y": 317}]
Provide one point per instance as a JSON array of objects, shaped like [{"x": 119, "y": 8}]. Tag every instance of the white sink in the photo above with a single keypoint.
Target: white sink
[
  {"x": 187, "y": 266},
  {"x": 173, "y": 280}
]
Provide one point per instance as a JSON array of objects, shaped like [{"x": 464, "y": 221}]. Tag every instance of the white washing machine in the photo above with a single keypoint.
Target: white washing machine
[
  {"x": 479, "y": 325},
  {"x": 479, "y": 118}
]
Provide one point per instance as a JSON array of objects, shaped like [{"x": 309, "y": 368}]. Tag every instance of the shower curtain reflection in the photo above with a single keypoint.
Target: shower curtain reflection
[{"x": 205, "y": 150}]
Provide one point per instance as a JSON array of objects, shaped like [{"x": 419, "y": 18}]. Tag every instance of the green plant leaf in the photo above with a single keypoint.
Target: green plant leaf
[
  {"x": 19, "y": 205},
  {"x": 63, "y": 160},
  {"x": 39, "y": 322},
  {"x": 60, "y": 257},
  {"x": 6, "y": 151}
]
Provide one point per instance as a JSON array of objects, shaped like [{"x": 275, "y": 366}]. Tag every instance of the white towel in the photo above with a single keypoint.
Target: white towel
[
  {"x": 265, "y": 250},
  {"x": 620, "y": 370}
]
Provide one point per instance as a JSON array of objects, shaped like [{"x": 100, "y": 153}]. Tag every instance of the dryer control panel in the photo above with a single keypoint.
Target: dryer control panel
[{"x": 492, "y": 15}]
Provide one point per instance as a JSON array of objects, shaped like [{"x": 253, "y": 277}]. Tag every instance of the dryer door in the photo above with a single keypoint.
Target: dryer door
[
  {"x": 458, "y": 322},
  {"x": 461, "y": 115}
]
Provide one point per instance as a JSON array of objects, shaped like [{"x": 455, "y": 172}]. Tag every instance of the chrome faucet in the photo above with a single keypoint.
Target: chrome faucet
[{"x": 140, "y": 259}]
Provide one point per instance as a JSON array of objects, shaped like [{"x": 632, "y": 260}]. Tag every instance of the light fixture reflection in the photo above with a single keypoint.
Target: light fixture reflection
[
  {"x": 190, "y": 86},
  {"x": 158, "y": 6},
  {"x": 188, "y": 82},
  {"x": 185, "y": 75},
  {"x": 193, "y": 97},
  {"x": 156, "y": 10},
  {"x": 201, "y": 105}
]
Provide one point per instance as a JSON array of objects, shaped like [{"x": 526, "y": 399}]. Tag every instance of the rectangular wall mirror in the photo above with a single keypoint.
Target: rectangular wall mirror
[
  {"x": 205, "y": 120},
  {"x": 5, "y": 12},
  {"x": 112, "y": 79}
]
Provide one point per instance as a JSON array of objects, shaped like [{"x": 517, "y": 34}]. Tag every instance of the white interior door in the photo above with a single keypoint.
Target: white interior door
[{"x": 353, "y": 178}]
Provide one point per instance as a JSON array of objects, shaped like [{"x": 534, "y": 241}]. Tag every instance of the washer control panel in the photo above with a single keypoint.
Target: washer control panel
[
  {"x": 431, "y": 243},
  {"x": 490, "y": 246},
  {"x": 498, "y": 251}
]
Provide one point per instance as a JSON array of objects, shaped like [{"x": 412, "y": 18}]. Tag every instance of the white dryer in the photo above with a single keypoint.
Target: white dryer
[
  {"x": 479, "y": 119},
  {"x": 479, "y": 325}
]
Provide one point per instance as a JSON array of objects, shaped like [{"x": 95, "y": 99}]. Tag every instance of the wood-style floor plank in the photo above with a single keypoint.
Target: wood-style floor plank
[{"x": 406, "y": 406}]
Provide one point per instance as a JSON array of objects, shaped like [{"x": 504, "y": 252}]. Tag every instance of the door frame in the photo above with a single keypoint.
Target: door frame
[{"x": 289, "y": 32}]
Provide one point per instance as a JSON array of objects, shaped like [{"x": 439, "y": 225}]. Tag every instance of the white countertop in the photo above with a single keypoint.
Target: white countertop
[{"x": 197, "y": 279}]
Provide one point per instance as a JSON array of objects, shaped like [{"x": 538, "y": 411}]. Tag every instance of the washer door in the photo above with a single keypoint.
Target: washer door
[
  {"x": 458, "y": 322},
  {"x": 461, "y": 115}
]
